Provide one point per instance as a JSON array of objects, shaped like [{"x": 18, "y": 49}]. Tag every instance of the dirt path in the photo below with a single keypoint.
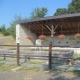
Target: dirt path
[{"x": 32, "y": 75}]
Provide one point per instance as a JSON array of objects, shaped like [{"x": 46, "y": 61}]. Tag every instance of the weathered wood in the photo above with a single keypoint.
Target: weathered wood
[
  {"x": 9, "y": 45},
  {"x": 32, "y": 46},
  {"x": 18, "y": 54},
  {"x": 4, "y": 56},
  {"x": 50, "y": 54}
]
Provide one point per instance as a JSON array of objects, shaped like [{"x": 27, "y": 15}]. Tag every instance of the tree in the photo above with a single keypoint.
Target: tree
[
  {"x": 73, "y": 7},
  {"x": 39, "y": 12},
  {"x": 12, "y": 28},
  {"x": 61, "y": 11},
  {"x": 3, "y": 30}
]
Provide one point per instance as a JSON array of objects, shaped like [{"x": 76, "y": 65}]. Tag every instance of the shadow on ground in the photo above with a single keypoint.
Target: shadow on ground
[{"x": 63, "y": 78}]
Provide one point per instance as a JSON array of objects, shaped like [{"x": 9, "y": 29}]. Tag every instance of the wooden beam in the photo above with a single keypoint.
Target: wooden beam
[
  {"x": 48, "y": 27},
  {"x": 55, "y": 31},
  {"x": 57, "y": 22},
  {"x": 67, "y": 26}
]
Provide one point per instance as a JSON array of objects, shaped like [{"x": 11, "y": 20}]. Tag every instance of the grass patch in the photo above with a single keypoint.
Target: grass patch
[
  {"x": 56, "y": 70},
  {"x": 70, "y": 72},
  {"x": 2, "y": 63},
  {"x": 76, "y": 72},
  {"x": 35, "y": 62},
  {"x": 29, "y": 68},
  {"x": 10, "y": 41},
  {"x": 10, "y": 59},
  {"x": 76, "y": 55},
  {"x": 6, "y": 67},
  {"x": 73, "y": 72}
]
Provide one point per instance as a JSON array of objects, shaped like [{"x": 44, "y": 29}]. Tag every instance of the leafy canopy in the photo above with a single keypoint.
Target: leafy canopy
[
  {"x": 73, "y": 7},
  {"x": 39, "y": 12}
]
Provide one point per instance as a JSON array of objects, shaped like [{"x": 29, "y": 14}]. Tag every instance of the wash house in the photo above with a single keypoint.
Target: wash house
[{"x": 62, "y": 31}]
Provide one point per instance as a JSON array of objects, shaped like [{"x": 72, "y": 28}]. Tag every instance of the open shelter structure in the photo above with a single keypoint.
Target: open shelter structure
[{"x": 68, "y": 25}]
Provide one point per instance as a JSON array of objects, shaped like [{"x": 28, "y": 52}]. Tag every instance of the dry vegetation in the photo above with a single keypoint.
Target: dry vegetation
[
  {"x": 1, "y": 35},
  {"x": 10, "y": 42}
]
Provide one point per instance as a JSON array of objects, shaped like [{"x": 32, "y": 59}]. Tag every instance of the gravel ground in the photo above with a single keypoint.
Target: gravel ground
[
  {"x": 2, "y": 39},
  {"x": 32, "y": 75},
  {"x": 44, "y": 75}
]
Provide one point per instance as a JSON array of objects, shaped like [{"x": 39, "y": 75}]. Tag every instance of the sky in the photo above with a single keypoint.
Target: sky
[{"x": 10, "y": 8}]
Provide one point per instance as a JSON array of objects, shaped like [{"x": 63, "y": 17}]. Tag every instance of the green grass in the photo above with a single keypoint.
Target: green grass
[
  {"x": 71, "y": 72},
  {"x": 76, "y": 55},
  {"x": 6, "y": 67},
  {"x": 35, "y": 62},
  {"x": 2, "y": 63},
  {"x": 29, "y": 68},
  {"x": 56, "y": 70},
  {"x": 75, "y": 72}
]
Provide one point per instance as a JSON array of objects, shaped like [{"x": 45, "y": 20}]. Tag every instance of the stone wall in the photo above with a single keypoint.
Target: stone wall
[
  {"x": 23, "y": 33},
  {"x": 63, "y": 42}
]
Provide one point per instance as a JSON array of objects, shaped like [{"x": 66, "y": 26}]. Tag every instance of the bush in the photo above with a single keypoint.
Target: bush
[
  {"x": 6, "y": 33},
  {"x": 76, "y": 55}
]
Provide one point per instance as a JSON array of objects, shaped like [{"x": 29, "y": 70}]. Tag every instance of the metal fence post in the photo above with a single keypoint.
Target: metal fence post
[
  {"x": 50, "y": 54},
  {"x": 18, "y": 54}
]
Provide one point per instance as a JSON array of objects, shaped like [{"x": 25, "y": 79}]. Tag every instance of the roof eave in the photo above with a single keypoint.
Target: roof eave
[{"x": 48, "y": 18}]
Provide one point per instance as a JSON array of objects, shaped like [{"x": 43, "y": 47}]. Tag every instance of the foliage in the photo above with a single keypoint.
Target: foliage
[
  {"x": 73, "y": 7},
  {"x": 3, "y": 30},
  {"x": 38, "y": 12},
  {"x": 12, "y": 28},
  {"x": 61, "y": 36},
  {"x": 77, "y": 35},
  {"x": 60, "y": 11},
  {"x": 76, "y": 72},
  {"x": 71, "y": 39},
  {"x": 42, "y": 37},
  {"x": 29, "y": 37},
  {"x": 76, "y": 55}
]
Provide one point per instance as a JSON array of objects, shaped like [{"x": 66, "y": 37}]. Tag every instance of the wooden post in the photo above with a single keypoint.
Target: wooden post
[
  {"x": 18, "y": 54},
  {"x": 25, "y": 57},
  {"x": 4, "y": 56},
  {"x": 50, "y": 55}
]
